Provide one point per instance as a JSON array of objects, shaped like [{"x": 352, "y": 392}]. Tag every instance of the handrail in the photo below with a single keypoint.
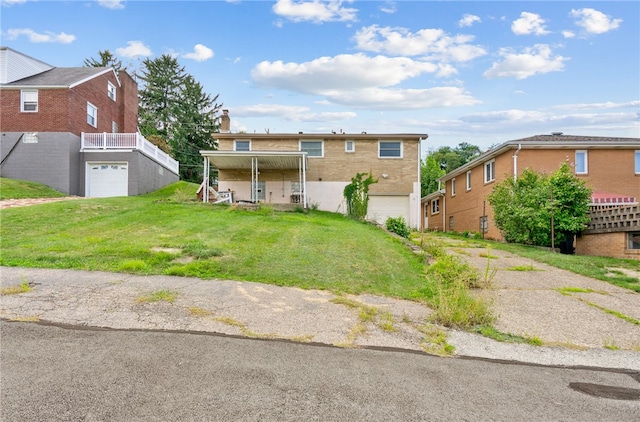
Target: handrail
[{"x": 121, "y": 141}]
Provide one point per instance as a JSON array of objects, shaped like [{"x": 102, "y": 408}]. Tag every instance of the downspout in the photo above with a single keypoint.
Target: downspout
[
  {"x": 444, "y": 211},
  {"x": 515, "y": 162}
]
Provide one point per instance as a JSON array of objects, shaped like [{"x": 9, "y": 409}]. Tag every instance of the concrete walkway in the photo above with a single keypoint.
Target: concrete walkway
[{"x": 123, "y": 301}]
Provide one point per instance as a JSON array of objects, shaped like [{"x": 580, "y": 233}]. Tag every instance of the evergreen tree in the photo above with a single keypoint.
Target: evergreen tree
[{"x": 107, "y": 59}]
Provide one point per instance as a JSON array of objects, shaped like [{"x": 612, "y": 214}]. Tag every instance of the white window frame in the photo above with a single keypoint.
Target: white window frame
[
  {"x": 235, "y": 144},
  {"x": 350, "y": 146},
  {"x": 435, "y": 206},
  {"x": 111, "y": 90},
  {"x": 92, "y": 114},
  {"x": 585, "y": 160},
  {"x": 315, "y": 142},
  {"x": 636, "y": 156},
  {"x": 469, "y": 180},
  {"x": 401, "y": 151},
  {"x": 114, "y": 127},
  {"x": 489, "y": 171},
  {"x": 28, "y": 97},
  {"x": 453, "y": 187}
]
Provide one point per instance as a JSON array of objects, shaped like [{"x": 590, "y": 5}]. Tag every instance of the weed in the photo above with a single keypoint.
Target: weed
[
  {"x": 567, "y": 291},
  {"x": 159, "y": 296},
  {"x": 33, "y": 318},
  {"x": 199, "y": 312},
  {"x": 23, "y": 287},
  {"x": 522, "y": 268},
  {"x": 132, "y": 266},
  {"x": 489, "y": 273},
  {"x": 456, "y": 307},
  {"x": 230, "y": 321},
  {"x": 398, "y": 226},
  {"x": 614, "y": 313},
  {"x": 435, "y": 341},
  {"x": 386, "y": 322},
  {"x": 611, "y": 345}
]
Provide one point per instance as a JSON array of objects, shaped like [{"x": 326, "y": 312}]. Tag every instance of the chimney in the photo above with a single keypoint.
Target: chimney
[{"x": 225, "y": 122}]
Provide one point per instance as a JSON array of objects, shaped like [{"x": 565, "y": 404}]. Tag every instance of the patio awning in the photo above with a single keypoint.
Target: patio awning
[{"x": 268, "y": 160}]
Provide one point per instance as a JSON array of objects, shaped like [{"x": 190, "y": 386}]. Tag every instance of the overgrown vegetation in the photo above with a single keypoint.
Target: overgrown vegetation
[
  {"x": 356, "y": 194},
  {"x": 398, "y": 226}
]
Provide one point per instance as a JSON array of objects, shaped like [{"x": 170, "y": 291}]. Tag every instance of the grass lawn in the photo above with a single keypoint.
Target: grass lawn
[
  {"x": 18, "y": 189},
  {"x": 159, "y": 233}
]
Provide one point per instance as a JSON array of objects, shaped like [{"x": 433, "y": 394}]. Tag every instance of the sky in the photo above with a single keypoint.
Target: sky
[{"x": 478, "y": 72}]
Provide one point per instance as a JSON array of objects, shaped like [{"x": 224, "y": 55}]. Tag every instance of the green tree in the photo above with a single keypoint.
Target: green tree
[
  {"x": 570, "y": 203},
  {"x": 452, "y": 158},
  {"x": 430, "y": 172},
  {"x": 106, "y": 59},
  {"x": 356, "y": 194},
  {"x": 195, "y": 124}
]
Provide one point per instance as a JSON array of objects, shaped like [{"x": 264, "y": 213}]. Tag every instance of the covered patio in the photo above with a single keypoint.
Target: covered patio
[{"x": 249, "y": 164}]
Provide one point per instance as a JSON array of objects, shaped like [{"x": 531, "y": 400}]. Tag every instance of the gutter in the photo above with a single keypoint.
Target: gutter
[{"x": 515, "y": 162}]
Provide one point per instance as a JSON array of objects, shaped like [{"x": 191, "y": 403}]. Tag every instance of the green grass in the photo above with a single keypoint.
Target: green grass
[
  {"x": 19, "y": 189},
  {"x": 591, "y": 266},
  {"x": 493, "y": 333},
  {"x": 159, "y": 296},
  {"x": 128, "y": 234}
]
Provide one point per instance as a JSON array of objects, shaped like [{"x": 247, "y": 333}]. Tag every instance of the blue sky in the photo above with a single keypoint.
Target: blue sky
[{"x": 477, "y": 72}]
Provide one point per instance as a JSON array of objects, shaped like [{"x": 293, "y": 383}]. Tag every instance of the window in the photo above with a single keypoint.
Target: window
[
  {"x": 111, "y": 91},
  {"x": 637, "y": 162},
  {"x": 114, "y": 127},
  {"x": 312, "y": 148},
  {"x": 453, "y": 187},
  {"x": 239, "y": 145},
  {"x": 633, "y": 240},
  {"x": 30, "y": 138},
  {"x": 484, "y": 223},
  {"x": 451, "y": 222},
  {"x": 469, "y": 180},
  {"x": 29, "y": 100},
  {"x": 435, "y": 206},
  {"x": 490, "y": 171},
  {"x": 582, "y": 166},
  {"x": 349, "y": 146},
  {"x": 390, "y": 149},
  {"x": 92, "y": 115}
]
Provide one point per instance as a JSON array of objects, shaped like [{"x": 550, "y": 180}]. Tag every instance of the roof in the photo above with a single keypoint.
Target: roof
[
  {"x": 61, "y": 77},
  {"x": 15, "y": 65},
  {"x": 606, "y": 198},
  {"x": 267, "y": 160},
  {"x": 321, "y": 136},
  {"x": 553, "y": 141}
]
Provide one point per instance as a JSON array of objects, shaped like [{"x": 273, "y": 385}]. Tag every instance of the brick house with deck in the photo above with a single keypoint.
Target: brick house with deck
[
  {"x": 609, "y": 166},
  {"x": 75, "y": 129}
]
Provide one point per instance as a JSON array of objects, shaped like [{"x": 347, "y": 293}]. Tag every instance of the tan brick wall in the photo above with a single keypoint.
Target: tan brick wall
[
  {"x": 337, "y": 165},
  {"x": 605, "y": 244}
]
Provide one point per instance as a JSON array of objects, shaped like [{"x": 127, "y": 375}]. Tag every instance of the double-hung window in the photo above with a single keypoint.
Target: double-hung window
[
  {"x": 92, "y": 115},
  {"x": 111, "y": 91},
  {"x": 582, "y": 162},
  {"x": 312, "y": 148},
  {"x": 637, "y": 162},
  {"x": 29, "y": 100},
  {"x": 241, "y": 145},
  {"x": 469, "y": 180},
  {"x": 389, "y": 149},
  {"x": 349, "y": 146},
  {"x": 435, "y": 206},
  {"x": 490, "y": 171}
]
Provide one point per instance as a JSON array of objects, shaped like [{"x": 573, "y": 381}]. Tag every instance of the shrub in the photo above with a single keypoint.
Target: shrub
[{"x": 398, "y": 226}]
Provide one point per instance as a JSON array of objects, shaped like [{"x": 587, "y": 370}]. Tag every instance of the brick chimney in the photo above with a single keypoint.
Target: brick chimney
[{"x": 225, "y": 122}]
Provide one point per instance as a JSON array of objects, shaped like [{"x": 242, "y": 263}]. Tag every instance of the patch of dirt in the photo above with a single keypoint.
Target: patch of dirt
[{"x": 24, "y": 202}]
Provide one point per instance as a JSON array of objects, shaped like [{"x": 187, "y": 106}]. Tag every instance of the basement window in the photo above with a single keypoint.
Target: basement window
[{"x": 633, "y": 240}]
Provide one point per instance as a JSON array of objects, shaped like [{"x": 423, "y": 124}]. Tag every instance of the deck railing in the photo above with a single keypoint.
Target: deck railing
[{"x": 126, "y": 141}]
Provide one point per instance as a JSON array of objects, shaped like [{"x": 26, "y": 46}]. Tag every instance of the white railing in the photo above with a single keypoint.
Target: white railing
[{"x": 122, "y": 141}]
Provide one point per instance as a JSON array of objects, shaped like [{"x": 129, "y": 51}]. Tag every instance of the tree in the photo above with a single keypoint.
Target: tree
[
  {"x": 195, "y": 124},
  {"x": 357, "y": 195},
  {"x": 523, "y": 207},
  {"x": 430, "y": 172},
  {"x": 107, "y": 59},
  {"x": 452, "y": 158}
]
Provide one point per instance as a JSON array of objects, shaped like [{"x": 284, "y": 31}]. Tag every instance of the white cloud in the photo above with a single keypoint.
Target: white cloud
[
  {"x": 432, "y": 43},
  {"x": 389, "y": 7},
  {"x": 315, "y": 11},
  {"x": 111, "y": 4},
  {"x": 36, "y": 37},
  {"x": 200, "y": 53},
  {"x": 11, "y": 2},
  {"x": 134, "y": 49},
  {"x": 600, "y": 106},
  {"x": 532, "y": 61},
  {"x": 529, "y": 23},
  {"x": 568, "y": 34},
  {"x": 292, "y": 113},
  {"x": 594, "y": 21},
  {"x": 403, "y": 99},
  {"x": 468, "y": 20}
]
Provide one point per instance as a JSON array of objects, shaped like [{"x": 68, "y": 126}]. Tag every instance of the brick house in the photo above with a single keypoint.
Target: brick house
[
  {"x": 75, "y": 129},
  {"x": 609, "y": 166},
  {"x": 312, "y": 170}
]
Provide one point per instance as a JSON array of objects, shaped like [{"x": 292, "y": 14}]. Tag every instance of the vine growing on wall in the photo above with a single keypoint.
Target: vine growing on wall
[{"x": 356, "y": 194}]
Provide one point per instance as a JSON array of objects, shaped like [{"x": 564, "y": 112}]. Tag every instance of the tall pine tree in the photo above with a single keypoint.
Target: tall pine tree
[{"x": 107, "y": 59}]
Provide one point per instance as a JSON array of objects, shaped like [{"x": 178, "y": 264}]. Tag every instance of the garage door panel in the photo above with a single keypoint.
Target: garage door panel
[
  {"x": 108, "y": 179},
  {"x": 382, "y": 207}
]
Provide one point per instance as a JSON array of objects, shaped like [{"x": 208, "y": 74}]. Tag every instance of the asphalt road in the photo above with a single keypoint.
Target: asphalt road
[{"x": 52, "y": 373}]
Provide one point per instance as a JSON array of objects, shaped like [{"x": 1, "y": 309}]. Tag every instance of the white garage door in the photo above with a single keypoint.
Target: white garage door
[
  {"x": 382, "y": 207},
  {"x": 107, "y": 179}
]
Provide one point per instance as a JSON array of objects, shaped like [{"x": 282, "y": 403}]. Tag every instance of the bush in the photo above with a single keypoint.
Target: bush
[{"x": 398, "y": 226}]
